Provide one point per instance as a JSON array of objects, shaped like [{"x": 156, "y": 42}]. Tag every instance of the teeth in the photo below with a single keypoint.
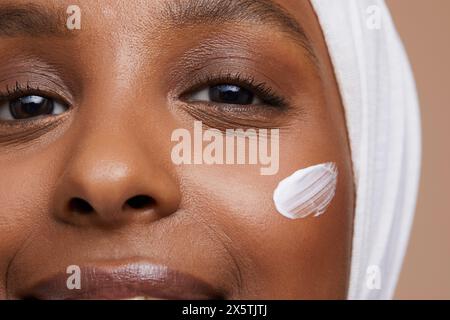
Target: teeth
[{"x": 141, "y": 298}]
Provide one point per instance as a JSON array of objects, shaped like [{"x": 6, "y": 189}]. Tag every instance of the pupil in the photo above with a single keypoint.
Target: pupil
[
  {"x": 30, "y": 106},
  {"x": 230, "y": 94}
]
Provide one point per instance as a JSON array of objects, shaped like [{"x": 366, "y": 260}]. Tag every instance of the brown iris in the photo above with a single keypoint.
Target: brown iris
[{"x": 30, "y": 106}]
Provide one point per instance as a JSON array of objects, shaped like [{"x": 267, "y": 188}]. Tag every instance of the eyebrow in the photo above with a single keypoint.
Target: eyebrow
[
  {"x": 31, "y": 20},
  {"x": 35, "y": 20},
  {"x": 262, "y": 12}
]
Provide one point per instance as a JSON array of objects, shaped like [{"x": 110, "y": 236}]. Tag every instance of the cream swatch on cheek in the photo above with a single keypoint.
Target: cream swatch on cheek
[{"x": 307, "y": 192}]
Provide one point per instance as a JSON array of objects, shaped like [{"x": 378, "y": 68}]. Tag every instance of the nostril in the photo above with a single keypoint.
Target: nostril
[
  {"x": 81, "y": 206},
  {"x": 140, "y": 202}
]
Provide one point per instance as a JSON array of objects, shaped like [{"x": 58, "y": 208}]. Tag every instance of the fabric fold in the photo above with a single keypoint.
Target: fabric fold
[{"x": 383, "y": 120}]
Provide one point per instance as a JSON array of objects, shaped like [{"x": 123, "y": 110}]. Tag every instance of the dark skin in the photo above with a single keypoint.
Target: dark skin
[{"x": 124, "y": 80}]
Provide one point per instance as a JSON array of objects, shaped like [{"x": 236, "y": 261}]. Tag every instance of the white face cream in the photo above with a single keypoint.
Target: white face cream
[{"x": 307, "y": 191}]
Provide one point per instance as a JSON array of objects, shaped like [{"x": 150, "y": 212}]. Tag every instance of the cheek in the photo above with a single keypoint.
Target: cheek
[
  {"x": 24, "y": 196},
  {"x": 287, "y": 258}
]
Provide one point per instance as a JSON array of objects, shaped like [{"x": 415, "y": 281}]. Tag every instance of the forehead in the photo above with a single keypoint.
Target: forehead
[
  {"x": 288, "y": 15},
  {"x": 136, "y": 19},
  {"x": 142, "y": 6}
]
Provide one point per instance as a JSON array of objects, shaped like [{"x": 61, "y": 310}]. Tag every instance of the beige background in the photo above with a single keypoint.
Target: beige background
[{"x": 425, "y": 28}]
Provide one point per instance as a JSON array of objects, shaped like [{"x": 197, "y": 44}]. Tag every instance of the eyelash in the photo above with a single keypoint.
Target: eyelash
[
  {"x": 264, "y": 92},
  {"x": 19, "y": 90},
  {"x": 261, "y": 89}
]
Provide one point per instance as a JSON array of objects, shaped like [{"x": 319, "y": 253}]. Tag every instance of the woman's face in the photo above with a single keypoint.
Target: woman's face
[{"x": 87, "y": 176}]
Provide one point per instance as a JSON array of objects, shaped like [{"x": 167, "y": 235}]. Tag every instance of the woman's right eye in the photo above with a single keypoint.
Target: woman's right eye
[{"x": 30, "y": 106}]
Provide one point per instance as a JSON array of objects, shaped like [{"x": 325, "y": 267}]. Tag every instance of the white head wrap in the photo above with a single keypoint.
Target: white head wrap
[{"x": 382, "y": 113}]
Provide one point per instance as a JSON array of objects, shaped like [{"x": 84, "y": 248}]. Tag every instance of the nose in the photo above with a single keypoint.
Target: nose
[{"x": 112, "y": 185}]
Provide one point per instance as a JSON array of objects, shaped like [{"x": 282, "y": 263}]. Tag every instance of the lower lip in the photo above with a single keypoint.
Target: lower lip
[{"x": 132, "y": 281}]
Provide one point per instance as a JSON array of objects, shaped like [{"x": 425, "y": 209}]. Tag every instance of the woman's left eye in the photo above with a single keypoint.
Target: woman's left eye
[
  {"x": 30, "y": 106},
  {"x": 226, "y": 94}
]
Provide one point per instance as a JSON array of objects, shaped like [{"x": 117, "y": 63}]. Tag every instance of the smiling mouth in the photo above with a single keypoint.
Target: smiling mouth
[{"x": 137, "y": 281}]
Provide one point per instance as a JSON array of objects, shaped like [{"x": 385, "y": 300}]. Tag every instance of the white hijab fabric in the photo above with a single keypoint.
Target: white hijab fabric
[{"x": 382, "y": 112}]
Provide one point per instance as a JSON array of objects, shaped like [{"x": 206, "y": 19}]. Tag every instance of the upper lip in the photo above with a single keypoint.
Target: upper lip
[{"x": 125, "y": 281}]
